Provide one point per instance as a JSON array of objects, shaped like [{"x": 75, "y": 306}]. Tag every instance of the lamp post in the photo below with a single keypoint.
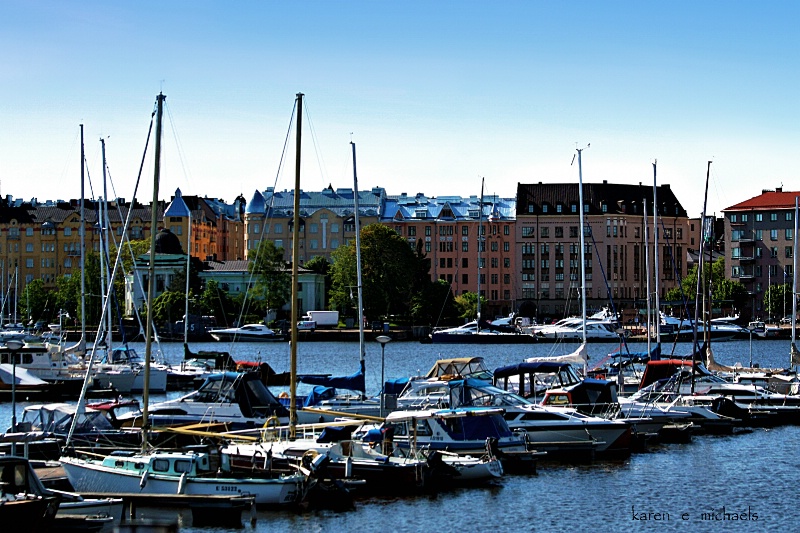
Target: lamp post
[
  {"x": 383, "y": 339},
  {"x": 750, "y": 328},
  {"x": 14, "y": 346}
]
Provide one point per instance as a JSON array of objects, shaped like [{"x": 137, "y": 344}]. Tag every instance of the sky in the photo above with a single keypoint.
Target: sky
[{"x": 437, "y": 95}]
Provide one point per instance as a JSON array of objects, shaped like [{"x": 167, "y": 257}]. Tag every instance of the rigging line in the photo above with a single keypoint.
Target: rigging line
[
  {"x": 320, "y": 162},
  {"x": 178, "y": 145}
]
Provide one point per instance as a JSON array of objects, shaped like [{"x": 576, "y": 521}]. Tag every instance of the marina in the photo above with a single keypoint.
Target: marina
[{"x": 707, "y": 484}]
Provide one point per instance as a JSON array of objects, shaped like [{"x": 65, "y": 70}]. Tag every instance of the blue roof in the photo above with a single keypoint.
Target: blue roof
[{"x": 177, "y": 208}]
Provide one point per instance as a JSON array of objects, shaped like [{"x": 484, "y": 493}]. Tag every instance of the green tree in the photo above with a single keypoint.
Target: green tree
[
  {"x": 467, "y": 304},
  {"x": 722, "y": 289},
  {"x": 273, "y": 286},
  {"x": 778, "y": 298},
  {"x": 217, "y": 303},
  {"x": 168, "y": 307},
  {"x": 320, "y": 265},
  {"x": 388, "y": 271},
  {"x": 35, "y": 302}
]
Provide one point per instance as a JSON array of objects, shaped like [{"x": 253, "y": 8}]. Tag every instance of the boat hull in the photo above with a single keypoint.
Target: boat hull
[{"x": 87, "y": 476}]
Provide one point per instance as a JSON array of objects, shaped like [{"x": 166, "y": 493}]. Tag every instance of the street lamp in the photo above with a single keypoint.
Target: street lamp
[
  {"x": 383, "y": 339},
  {"x": 14, "y": 346}
]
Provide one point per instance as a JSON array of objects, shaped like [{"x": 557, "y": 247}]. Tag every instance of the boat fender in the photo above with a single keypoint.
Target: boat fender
[
  {"x": 182, "y": 483},
  {"x": 348, "y": 467},
  {"x": 143, "y": 480}
]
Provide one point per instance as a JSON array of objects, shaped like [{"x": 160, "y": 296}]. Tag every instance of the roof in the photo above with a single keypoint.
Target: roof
[
  {"x": 420, "y": 207},
  {"x": 777, "y": 199},
  {"x": 619, "y": 198},
  {"x": 278, "y": 204}
]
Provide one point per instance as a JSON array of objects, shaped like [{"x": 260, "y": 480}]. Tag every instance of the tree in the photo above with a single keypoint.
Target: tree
[
  {"x": 169, "y": 306},
  {"x": 723, "y": 289},
  {"x": 467, "y": 304},
  {"x": 778, "y": 298},
  {"x": 217, "y": 303},
  {"x": 35, "y": 301},
  {"x": 273, "y": 286},
  {"x": 388, "y": 270},
  {"x": 320, "y": 265}
]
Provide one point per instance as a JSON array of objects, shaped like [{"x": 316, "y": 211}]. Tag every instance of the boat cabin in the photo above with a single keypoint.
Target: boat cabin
[
  {"x": 192, "y": 463},
  {"x": 461, "y": 366},
  {"x": 531, "y": 379}
]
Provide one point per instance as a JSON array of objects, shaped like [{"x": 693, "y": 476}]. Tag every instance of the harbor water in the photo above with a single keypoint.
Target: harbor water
[{"x": 742, "y": 482}]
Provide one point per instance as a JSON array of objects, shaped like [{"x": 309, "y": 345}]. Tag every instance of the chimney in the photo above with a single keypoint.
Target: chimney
[{"x": 779, "y": 189}]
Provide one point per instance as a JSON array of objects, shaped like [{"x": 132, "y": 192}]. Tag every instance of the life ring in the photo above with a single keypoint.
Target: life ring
[{"x": 271, "y": 423}]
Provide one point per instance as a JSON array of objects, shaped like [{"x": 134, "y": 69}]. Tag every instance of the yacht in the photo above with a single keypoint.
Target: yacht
[{"x": 246, "y": 333}]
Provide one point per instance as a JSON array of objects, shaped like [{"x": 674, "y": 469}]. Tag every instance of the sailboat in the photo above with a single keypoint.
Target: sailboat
[{"x": 199, "y": 472}]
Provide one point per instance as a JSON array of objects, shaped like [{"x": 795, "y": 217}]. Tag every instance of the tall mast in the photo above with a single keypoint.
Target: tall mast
[
  {"x": 295, "y": 267},
  {"x": 360, "y": 287},
  {"x": 103, "y": 225},
  {"x": 656, "y": 264},
  {"x": 188, "y": 264},
  {"x": 582, "y": 254},
  {"x": 151, "y": 272},
  {"x": 794, "y": 358},
  {"x": 647, "y": 280},
  {"x": 83, "y": 252},
  {"x": 480, "y": 242},
  {"x": 700, "y": 269}
]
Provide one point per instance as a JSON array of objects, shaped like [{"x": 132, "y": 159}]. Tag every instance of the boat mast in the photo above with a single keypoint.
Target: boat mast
[
  {"x": 480, "y": 242},
  {"x": 360, "y": 287},
  {"x": 656, "y": 264},
  {"x": 151, "y": 272},
  {"x": 794, "y": 358},
  {"x": 650, "y": 318},
  {"x": 582, "y": 254},
  {"x": 700, "y": 268},
  {"x": 82, "y": 344},
  {"x": 103, "y": 225},
  {"x": 188, "y": 263},
  {"x": 295, "y": 261}
]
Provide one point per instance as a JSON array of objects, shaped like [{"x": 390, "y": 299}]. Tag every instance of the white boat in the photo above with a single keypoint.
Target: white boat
[
  {"x": 191, "y": 473},
  {"x": 123, "y": 370},
  {"x": 239, "y": 400},
  {"x": 246, "y": 333},
  {"x": 470, "y": 333}
]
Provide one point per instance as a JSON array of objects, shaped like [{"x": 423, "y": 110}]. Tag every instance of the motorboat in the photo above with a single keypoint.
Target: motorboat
[
  {"x": 122, "y": 369},
  {"x": 561, "y": 431},
  {"x": 246, "y": 333},
  {"x": 24, "y": 502},
  {"x": 239, "y": 400},
  {"x": 464, "y": 431},
  {"x": 481, "y": 333}
]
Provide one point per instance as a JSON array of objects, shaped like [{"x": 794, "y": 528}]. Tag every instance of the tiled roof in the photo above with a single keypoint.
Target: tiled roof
[
  {"x": 423, "y": 208},
  {"x": 777, "y": 199}
]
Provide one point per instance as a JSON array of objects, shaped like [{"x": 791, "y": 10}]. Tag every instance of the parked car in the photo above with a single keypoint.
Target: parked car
[{"x": 787, "y": 319}]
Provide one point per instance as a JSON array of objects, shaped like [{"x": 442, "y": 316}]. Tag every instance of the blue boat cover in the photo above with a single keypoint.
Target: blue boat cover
[
  {"x": 529, "y": 368},
  {"x": 395, "y": 386},
  {"x": 354, "y": 382}
]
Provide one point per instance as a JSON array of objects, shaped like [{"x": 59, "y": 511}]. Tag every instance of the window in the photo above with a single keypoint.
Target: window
[
  {"x": 574, "y": 208},
  {"x": 495, "y": 262},
  {"x": 773, "y": 252},
  {"x": 789, "y": 233},
  {"x": 558, "y": 208},
  {"x": 773, "y": 235},
  {"x": 464, "y": 231},
  {"x": 278, "y": 227},
  {"x": 679, "y": 233},
  {"x": 734, "y": 218},
  {"x": 545, "y": 232},
  {"x": 506, "y": 230},
  {"x": 559, "y": 232},
  {"x": 464, "y": 246},
  {"x": 506, "y": 246},
  {"x": 736, "y": 253},
  {"x": 412, "y": 231},
  {"x": 464, "y": 262},
  {"x": 495, "y": 246},
  {"x": 573, "y": 232},
  {"x": 506, "y": 278},
  {"x": 427, "y": 246},
  {"x": 773, "y": 217},
  {"x": 604, "y": 208},
  {"x": 759, "y": 217},
  {"x": 744, "y": 218},
  {"x": 789, "y": 215},
  {"x": 29, "y": 247},
  {"x": 528, "y": 231},
  {"x": 530, "y": 208},
  {"x": 545, "y": 248},
  {"x": 759, "y": 235},
  {"x": 29, "y": 263},
  {"x": 29, "y": 232},
  {"x": 544, "y": 208},
  {"x": 788, "y": 252},
  {"x": 313, "y": 227}
]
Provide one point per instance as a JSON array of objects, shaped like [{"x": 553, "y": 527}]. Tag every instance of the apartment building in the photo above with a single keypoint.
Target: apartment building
[
  {"x": 759, "y": 242},
  {"x": 549, "y": 255},
  {"x": 327, "y": 219},
  {"x": 447, "y": 228}
]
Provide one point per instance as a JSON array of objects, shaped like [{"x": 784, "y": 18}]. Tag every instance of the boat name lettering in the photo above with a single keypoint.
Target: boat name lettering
[{"x": 227, "y": 488}]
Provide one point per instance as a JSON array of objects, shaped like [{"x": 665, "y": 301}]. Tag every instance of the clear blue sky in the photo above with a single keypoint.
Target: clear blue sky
[{"x": 436, "y": 94}]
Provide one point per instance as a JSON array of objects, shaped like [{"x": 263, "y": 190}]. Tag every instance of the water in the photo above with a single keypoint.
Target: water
[{"x": 680, "y": 487}]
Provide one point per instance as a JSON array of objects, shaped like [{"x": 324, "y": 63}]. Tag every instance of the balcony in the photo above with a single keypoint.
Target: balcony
[
  {"x": 745, "y": 277},
  {"x": 744, "y": 258}
]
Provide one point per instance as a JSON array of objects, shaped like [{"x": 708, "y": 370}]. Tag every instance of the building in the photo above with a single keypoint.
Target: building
[
  {"x": 548, "y": 251},
  {"x": 327, "y": 219},
  {"x": 759, "y": 242},
  {"x": 446, "y": 230}
]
